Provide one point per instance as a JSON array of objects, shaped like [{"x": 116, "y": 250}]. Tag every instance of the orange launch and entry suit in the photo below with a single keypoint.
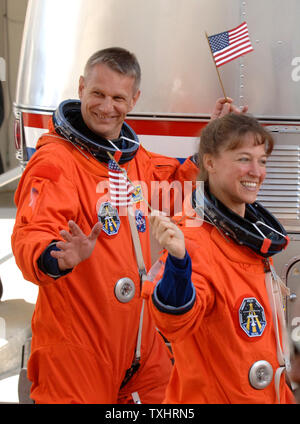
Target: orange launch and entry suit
[
  {"x": 83, "y": 337},
  {"x": 227, "y": 328}
]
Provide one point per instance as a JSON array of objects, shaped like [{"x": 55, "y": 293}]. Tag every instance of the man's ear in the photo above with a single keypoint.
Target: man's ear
[
  {"x": 81, "y": 86},
  {"x": 135, "y": 99}
]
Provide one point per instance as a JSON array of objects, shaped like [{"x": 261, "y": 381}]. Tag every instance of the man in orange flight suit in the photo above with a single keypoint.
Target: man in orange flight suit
[
  {"x": 84, "y": 337},
  {"x": 84, "y": 333}
]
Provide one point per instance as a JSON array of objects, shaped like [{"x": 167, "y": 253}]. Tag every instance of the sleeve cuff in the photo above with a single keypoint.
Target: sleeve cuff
[
  {"x": 49, "y": 265},
  {"x": 175, "y": 293},
  {"x": 173, "y": 310},
  {"x": 179, "y": 263}
]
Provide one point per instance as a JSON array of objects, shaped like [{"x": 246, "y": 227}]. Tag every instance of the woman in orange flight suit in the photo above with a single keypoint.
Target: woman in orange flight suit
[{"x": 214, "y": 301}]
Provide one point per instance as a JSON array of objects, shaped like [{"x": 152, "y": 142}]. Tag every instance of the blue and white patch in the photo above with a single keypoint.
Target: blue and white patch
[
  {"x": 140, "y": 221},
  {"x": 252, "y": 317},
  {"x": 109, "y": 218},
  {"x": 137, "y": 195}
]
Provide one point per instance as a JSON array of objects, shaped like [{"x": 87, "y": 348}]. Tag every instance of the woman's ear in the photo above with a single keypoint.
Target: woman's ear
[{"x": 209, "y": 163}]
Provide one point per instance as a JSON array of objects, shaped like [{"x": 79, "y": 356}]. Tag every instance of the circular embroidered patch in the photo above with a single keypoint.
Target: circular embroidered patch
[{"x": 252, "y": 317}]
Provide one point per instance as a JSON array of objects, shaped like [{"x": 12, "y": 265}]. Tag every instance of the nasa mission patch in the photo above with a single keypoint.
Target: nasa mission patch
[
  {"x": 109, "y": 218},
  {"x": 252, "y": 317}
]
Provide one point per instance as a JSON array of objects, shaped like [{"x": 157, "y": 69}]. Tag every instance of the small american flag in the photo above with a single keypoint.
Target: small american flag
[
  {"x": 119, "y": 187},
  {"x": 229, "y": 45}
]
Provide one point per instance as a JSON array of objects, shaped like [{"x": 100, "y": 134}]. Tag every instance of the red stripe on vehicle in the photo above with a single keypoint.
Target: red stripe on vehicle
[
  {"x": 35, "y": 120},
  {"x": 140, "y": 126},
  {"x": 164, "y": 127}
]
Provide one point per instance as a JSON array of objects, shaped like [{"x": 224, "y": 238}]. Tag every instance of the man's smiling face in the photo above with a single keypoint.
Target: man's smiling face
[{"x": 106, "y": 98}]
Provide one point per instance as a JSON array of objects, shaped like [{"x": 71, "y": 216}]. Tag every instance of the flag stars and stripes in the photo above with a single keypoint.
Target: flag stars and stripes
[
  {"x": 120, "y": 188},
  {"x": 229, "y": 45}
]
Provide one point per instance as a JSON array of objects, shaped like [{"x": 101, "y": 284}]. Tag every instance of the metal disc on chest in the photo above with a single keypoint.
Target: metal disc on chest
[
  {"x": 124, "y": 290},
  {"x": 260, "y": 374}
]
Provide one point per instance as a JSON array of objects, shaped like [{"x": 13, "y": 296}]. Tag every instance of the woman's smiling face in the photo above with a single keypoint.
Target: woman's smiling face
[{"x": 235, "y": 176}]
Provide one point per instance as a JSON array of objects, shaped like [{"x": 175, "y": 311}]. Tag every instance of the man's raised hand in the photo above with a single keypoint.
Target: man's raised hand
[{"x": 77, "y": 246}]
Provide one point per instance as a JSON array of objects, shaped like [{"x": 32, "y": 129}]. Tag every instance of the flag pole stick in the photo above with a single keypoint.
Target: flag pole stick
[{"x": 216, "y": 67}]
